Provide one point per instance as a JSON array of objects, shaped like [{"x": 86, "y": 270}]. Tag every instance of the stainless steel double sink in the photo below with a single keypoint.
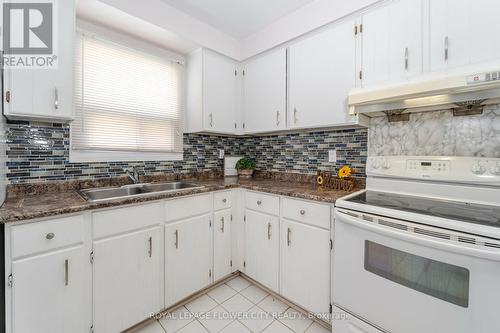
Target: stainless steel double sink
[{"x": 135, "y": 190}]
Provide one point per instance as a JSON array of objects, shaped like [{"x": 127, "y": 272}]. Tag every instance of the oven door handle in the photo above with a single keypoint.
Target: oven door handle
[{"x": 417, "y": 239}]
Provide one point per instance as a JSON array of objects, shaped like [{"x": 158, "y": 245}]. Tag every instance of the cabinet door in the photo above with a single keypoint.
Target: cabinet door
[
  {"x": 127, "y": 279},
  {"x": 265, "y": 93},
  {"x": 187, "y": 257},
  {"x": 50, "y": 293},
  {"x": 449, "y": 34},
  {"x": 222, "y": 243},
  {"x": 47, "y": 93},
  {"x": 219, "y": 93},
  {"x": 262, "y": 248},
  {"x": 392, "y": 42},
  {"x": 306, "y": 257},
  {"x": 322, "y": 71}
]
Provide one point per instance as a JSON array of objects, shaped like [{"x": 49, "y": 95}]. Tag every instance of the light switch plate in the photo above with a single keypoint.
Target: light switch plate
[{"x": 332, "y": 156}]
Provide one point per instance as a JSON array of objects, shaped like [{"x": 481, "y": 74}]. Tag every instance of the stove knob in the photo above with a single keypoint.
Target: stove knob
[
  {"x": 478, "y": 169},
  {"x": 495, "y": 170},
  {"x": 386, "y": 165}
]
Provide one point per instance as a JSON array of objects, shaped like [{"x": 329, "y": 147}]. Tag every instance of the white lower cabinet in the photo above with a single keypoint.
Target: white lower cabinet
[
  {"x": 188, "y": 262},
  {"x": 222, "y": 243},
  {"x": 305, "y": 264},
  {"x": 262, "y": 248},
  {"x": 50, "y": 293},
  {"x": 127, "y": 279}
]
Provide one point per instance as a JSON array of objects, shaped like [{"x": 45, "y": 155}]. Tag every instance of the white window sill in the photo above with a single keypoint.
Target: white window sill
[{"x": 93, "y": 156}]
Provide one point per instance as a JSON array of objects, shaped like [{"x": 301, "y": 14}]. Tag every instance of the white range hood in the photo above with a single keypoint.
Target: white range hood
[{"x": 457, "y": 92}]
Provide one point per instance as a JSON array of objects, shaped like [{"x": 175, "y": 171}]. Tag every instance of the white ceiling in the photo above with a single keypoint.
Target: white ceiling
[{"x": 237, "y": 18}]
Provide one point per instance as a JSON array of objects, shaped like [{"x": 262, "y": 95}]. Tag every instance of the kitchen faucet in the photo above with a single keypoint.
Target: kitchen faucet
[{"x": 133, "y": 175}]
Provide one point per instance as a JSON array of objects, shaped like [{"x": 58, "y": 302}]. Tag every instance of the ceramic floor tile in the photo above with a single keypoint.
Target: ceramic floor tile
[
  {"x": 201, "y": 304},
  {"x": 272, "y": 305},
  {"x": 215, "y": 319},
  {"x": 152, "y": 328},
  {"x": 296, "y": 321},
  {"x": 193, "y": 327},
  {"x": 237, "y": 304},
  {"x": 235, "y": 327},
  {"x": 257, "y": 319},
  {"x": 238, "y": 283},
  {"x": 176, "y": 320},
  {"x": 221, "y": 293},
  {"x": 277, "y": 327},
  {"x": 315, "y": 328},
  {"x": 254, "y": 294}
]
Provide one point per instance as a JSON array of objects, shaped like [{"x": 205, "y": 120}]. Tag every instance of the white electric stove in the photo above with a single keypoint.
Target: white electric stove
[{"x": 419, "y": 249}]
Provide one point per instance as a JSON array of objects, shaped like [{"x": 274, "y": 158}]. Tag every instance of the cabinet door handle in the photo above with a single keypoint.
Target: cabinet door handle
[
  {"x": 277, "y": 118},
  {"x": 289, "y": 236},
  {"x": 7, "y": 95},
  {"x": 176, "y": 239},
  {"x": 56, "y": 98},
  {"x": 224, "y": 200},
  {"x": 294, "y": 115},
  {"x": 222, "y": 224},
  {"x": 211, "y": 120},
  {"x": 269, "y": 230},
  {"x": 446, "y": 48},
  {"x": 66, "y": 272},
  {"x": 406, "y": 58},
  {"x": 50, "y": 235},
  {"x": 150, "y": 241}
]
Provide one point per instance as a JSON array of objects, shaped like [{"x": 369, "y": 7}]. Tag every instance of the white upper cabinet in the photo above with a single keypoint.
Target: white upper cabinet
[
  {"x": 392, "y": 42},
  {"x": 45, "y": 94},
  {"x": 212, "y": 96},
  {"x": 461, "y": 35},
  {"x": 264, "y": 93},
  {"x": 322, "y": 71}
]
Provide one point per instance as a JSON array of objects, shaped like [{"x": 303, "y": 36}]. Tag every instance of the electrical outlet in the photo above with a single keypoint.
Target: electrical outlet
[
  {"x": 221, "y": 153},
  {"x": 332, "y": 156}
]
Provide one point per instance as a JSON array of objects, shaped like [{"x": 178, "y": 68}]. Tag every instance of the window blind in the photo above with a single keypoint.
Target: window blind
[{"x": 125, "y": 100}]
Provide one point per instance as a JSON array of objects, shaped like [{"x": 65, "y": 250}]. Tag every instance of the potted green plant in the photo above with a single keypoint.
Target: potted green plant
[{"x": 245, "y": 167}]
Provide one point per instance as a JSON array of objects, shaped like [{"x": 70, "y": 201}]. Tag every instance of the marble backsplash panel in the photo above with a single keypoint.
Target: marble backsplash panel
[{"x": 437, "y": 134}]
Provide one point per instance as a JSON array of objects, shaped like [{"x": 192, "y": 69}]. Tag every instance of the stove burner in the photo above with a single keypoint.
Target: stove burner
[{"x": 467, "y": 212}]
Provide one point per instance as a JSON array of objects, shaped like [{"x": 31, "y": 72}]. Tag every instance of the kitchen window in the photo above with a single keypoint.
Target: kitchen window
[{"x": 128, "y": 103}]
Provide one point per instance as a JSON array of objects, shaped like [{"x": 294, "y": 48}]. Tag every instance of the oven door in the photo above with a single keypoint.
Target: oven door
[{"x": 409, "y": 278}]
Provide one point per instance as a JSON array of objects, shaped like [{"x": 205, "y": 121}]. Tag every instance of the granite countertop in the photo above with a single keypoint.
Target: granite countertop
[{"x": 39, "y": 204}]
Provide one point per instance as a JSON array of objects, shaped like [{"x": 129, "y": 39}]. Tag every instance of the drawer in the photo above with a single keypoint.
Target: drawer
[
  {"x": 115, "y": 221},
  {"x": 308, "y": 212},
  {"x": 222, "y": 200},
  {"x": 47, "y": 235},
  {"x": 261, "y": 202},
  {"x": 181, "y": 208}
]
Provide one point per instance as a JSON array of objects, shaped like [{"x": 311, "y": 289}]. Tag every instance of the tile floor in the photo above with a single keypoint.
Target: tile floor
[{"x": 235, "y": 307}]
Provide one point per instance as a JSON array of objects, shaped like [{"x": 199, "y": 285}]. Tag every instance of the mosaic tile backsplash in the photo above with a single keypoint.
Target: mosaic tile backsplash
[{"x": 38, "y": 152}]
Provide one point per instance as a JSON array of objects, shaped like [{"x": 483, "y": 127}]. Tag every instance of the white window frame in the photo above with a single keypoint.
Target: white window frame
[{"x": 89, "y": 156}]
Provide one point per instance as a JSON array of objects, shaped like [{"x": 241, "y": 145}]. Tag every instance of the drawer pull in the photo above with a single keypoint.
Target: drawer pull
[
  {"x": 302, "y": 212},
  {"x": 66, "y": 272},
  {"x": 224, "y": 200},
  {"x": 259, "y": 202},
  {"x": 50, "y": 235}
]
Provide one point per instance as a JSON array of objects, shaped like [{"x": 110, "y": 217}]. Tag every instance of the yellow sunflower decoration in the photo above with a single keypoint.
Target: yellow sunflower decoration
[{"x": 344, "y": 172}]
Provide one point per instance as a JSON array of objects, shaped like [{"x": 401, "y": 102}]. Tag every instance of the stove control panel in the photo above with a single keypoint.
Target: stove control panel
[{"x": 453, "y": 169}]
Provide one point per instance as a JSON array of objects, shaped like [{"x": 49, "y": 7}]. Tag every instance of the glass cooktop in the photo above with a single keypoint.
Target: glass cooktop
[{"x": 462, "y": 211}]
